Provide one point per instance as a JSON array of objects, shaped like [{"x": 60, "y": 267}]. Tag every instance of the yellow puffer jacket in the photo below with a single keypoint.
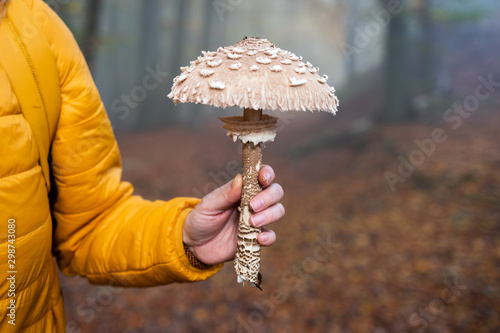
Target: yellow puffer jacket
[{"x": 101, "y": 231}]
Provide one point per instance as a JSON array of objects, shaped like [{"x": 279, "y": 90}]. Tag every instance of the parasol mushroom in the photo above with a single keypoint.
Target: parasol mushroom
[{"x": 253, "y": 74}]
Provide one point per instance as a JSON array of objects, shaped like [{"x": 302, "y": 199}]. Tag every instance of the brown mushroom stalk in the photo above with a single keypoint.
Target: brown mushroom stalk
[
  {"x": 253, "y": 74},
  {"x": 253, "y": 129},
  {"x": 247, "y": 258}
]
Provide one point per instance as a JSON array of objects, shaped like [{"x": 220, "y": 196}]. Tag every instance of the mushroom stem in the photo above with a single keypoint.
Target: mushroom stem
[
  {"x": 247, "y": 258},
  {"x": 252, "y": 115}
]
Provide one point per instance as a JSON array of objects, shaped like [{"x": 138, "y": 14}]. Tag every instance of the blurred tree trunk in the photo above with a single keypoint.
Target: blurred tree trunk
[
  {"x": 149, "y": 52},
  {"x": 208, "y": 18},
  {"x": 90, "y": 39},
  {"x": 352, "y": 18},
  {"x": 397, "y": 104},
  {"x": 176, "y": 60},
  {"x": 179, "y": 39},
  {"x": 171, "y": 117},
  {"x": 191, "y": 114},
  {"x": 63, "y": 12},
  {"x": 427, "y": 53}
]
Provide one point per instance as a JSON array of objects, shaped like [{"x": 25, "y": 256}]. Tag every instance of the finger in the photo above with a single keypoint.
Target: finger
[
  {"x": 268, "y": 216},
  {"x": 267, "y": 237},
  {"x": 266, "y": 175},
  {"x": 225, "y": 196},
  {"x": 268, "y": 197}
]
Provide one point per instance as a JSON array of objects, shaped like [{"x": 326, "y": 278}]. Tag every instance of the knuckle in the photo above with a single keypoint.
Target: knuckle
[
  {"x": 279, "y": 190},
  {"x": 204, "y": 203},
  {"x": 272, "y": 236},
  {"x": 276, "y": 213},
  {"x": 281, "y": 209},
  {"x": 224, "y": 196}
]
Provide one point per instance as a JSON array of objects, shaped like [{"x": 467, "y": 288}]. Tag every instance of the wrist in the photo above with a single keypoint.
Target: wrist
[
  {"x": 189, "y": 248},
  {"x": 185, "y": 234},
  {"x": 193, "y": 260}
]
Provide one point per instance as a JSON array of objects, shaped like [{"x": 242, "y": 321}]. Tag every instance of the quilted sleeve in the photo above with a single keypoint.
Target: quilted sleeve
[{"x": 104, "y": 232}]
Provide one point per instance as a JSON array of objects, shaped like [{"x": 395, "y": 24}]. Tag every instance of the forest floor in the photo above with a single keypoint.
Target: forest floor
[{"x": 355, "y": 253}]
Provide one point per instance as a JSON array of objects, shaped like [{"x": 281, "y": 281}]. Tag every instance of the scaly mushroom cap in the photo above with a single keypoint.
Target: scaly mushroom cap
[{"x": 255, "y": 74}]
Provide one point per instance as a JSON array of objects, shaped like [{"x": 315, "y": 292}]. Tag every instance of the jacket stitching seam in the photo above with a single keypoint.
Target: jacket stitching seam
[
  {"x": 6, "y": 177},
  {"x": 78, "y": 174},
  {"x": 29, "y": 62},
  {"x": 100, "y": 275}
]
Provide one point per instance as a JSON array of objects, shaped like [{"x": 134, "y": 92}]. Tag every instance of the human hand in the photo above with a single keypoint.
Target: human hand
[{"x": 211, "y": 229}]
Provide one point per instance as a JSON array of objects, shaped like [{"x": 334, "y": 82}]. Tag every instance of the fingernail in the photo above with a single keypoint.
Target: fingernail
[
  {"x": 267, "y": 177},
  {"x": 257, "y": 204},
  {"x": 257, "y": 220},
  {"x": 265, "y": 238},
  {"x": 235, "y": 182}
]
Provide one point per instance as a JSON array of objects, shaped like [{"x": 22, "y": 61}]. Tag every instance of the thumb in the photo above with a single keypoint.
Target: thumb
[{"x": 225, "y": 196}]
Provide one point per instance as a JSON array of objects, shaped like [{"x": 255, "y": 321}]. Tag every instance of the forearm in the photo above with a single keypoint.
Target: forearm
[{"x": 137, "y": 244}]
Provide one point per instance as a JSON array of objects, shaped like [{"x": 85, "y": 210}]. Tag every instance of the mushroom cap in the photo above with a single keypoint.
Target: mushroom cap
[{"x": 254, "y": 74}]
